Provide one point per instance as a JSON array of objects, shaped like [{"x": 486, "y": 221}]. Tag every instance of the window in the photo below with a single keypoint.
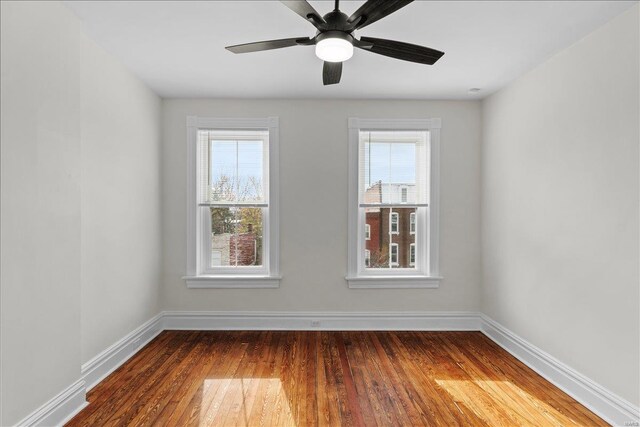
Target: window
[
  {"x": 394, "y": 223},
  {"x": 412, "y": 223},
  {"x": 412, "y": 254},
  {"x": 393, "y": 254},
  {"x": 232, "y": 203},
  {"x": 394, "y": 180}
]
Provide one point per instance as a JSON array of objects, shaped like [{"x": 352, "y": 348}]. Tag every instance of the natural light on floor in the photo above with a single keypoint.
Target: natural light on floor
[
  {"x": 522, "y": 402},
  {"x": 231, "y": 401}
]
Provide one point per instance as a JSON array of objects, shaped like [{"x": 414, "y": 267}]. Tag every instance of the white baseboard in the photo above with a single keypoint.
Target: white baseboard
[
  {"x": 610, "y": 407},
  {"x": 596, "y": 398},
  {"x": 96, "y": 369},
  {"x": 60, "y": 409},
  {"x": 322, "y": 321}
]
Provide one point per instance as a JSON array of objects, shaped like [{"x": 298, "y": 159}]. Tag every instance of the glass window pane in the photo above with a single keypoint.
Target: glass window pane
[
  {"x": 382, "y": 239},
  {"x": 236, "y": 237},
  {"x": 234, "y": 171},
  {"x": 222, "y": 171},
  {"x": 250, "y": 177},
  {"x": 393, "y": 166}
]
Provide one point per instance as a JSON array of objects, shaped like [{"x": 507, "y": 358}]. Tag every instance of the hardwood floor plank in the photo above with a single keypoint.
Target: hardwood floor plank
[
  {"x": 368, "y": 404},
  {"x": 186, "y": 405},
  {"x": 124, "y": 413},
  {"x": 278, "y": 378},
  {"x": 169, "y": 385},
  {"x": 125, "y": 374}
]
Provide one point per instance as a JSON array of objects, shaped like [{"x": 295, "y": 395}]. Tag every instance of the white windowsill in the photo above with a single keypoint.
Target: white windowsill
[
  {"x": 394, "y": 282},
  {"x": 232, "y": 282}
]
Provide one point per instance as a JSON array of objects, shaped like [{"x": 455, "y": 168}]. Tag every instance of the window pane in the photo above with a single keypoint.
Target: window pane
[
  {"x": 232, "y": 166},
  {"x": 250, "y": 177},
  {"x": 236, "y": 237},
  {"x": 393, "y": 167},
  {"x": 382, "y": 236},
  {"x": 222, "y": 176}
]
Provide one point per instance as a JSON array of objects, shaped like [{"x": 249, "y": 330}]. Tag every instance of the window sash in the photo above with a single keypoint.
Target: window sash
[
  {"x": 205, "y": 139},
  {"x": 393, "y": 193},
  {"x": 419, "y": 201},
  {"x": 421, "y": 265},
  {"x": 205, "y": 249}
]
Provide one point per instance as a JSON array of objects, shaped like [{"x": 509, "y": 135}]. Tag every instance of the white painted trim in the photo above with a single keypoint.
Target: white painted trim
[
  {"x": 96, "y": 369},
  {"x": 271, "y": 232},
  {"x": 236, "y": 282},
  {"x": 393, "y": 282},
  {"x": 610, "y": 407},
  {"x": 60, "y": 409},
  {"x": 593, "y": 396},
  {"x": 325, "y": 321},
  {"x": 394, "y": 124}
]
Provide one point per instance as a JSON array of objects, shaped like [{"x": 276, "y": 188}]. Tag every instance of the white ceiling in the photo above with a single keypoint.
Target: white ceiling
[{"x": 177, "y": 47}]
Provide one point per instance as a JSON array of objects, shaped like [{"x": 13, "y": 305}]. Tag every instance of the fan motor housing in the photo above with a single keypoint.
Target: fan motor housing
[
  {"x": 336, "y": 20},
  {"x": 334, "y": 34}
]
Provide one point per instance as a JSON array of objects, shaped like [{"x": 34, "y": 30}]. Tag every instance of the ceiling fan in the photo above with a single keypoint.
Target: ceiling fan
[{"x": 335, "y": 38}]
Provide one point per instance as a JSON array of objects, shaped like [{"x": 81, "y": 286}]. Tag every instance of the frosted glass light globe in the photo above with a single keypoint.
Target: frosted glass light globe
[{"x": 334, "y": 50}]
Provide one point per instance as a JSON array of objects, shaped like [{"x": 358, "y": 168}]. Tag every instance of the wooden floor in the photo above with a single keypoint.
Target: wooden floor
[{"x": 185, "y": 378}]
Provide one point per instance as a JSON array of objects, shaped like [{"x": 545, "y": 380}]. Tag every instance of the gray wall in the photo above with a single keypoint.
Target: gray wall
[
  {"x": 80, "y": 214},
  {"x": 313, "y": 206},
  {"x": 121, "y": 234},
  {"x": 560, "y": 206}
]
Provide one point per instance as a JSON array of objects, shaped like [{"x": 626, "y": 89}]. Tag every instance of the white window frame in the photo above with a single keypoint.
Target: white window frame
[
  {"x": 393, "y": 215},
  {"x": 197, "y": 275},
  {"x": 393, "y": 246},
  {"x": 427, "y": 272},
  {"x": 367, "y": 231},
  {"x": 412, "y": 249},
  {"x": 367, "y": 257},
  {"x": 412, "y": 223}
]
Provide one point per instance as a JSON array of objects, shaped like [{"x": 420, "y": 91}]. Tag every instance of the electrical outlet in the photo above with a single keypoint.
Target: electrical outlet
[{"x": 315, "y": 323}]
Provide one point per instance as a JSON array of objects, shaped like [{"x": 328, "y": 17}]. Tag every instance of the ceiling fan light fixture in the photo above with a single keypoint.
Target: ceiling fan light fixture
[
  {"x": 334, "y": 39},
  {"x": 334, "y": 48}
]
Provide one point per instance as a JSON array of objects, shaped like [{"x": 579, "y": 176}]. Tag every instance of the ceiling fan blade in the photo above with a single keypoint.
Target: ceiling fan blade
[
  {"x": 304, "y": 9},
  {"x": 374, "y": 10},
  {"x": 268, "y": 45},
  {"x": 400, "y": 50},
  {"x": 331, "y": 73}
]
